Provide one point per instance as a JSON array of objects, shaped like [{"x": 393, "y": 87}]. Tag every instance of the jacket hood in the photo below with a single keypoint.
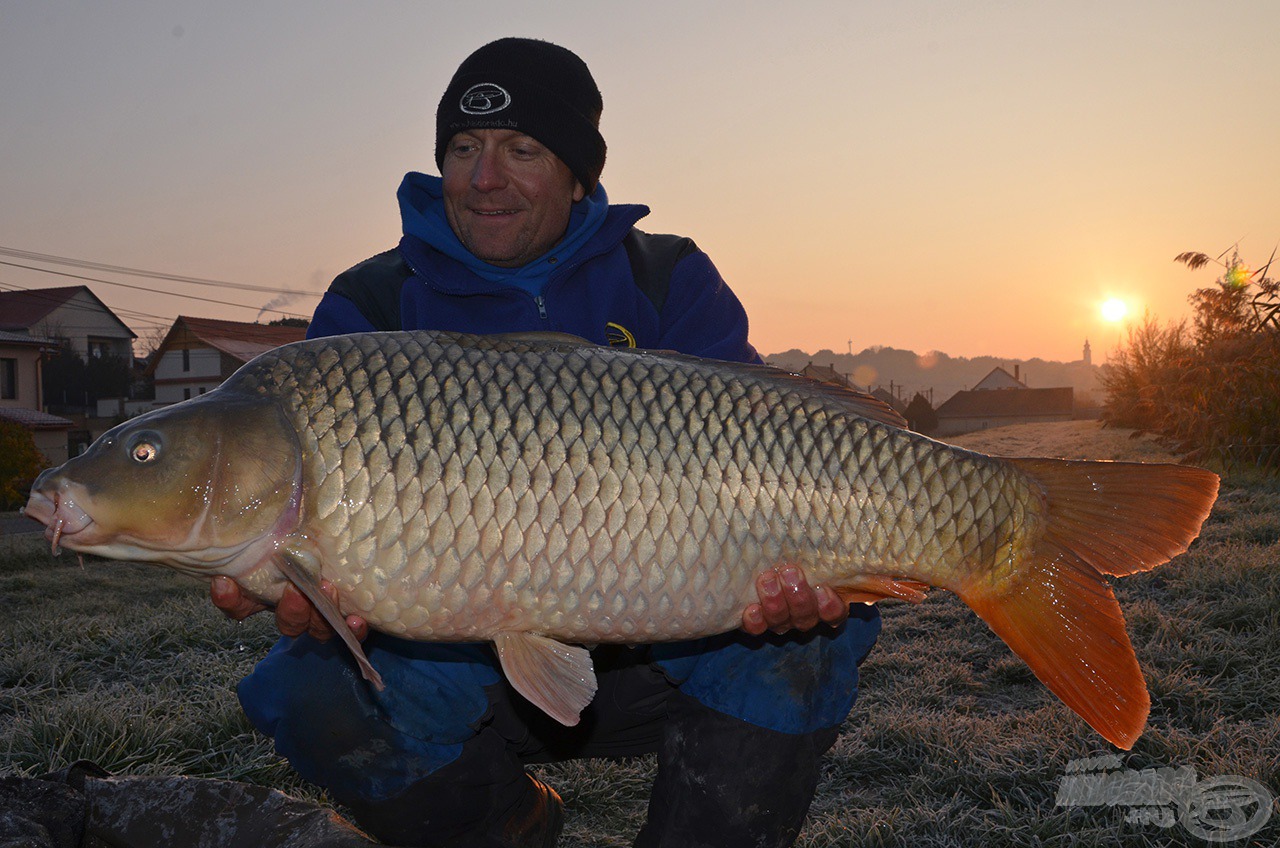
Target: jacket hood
[{"x": 422, "y": 216}]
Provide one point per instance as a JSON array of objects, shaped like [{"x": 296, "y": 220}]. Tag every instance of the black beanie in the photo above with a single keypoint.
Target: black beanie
[{"x": 534, "y": 87}]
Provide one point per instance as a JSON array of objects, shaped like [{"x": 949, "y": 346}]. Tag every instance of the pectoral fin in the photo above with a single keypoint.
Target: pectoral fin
[
  {"x": 555, "y": 677},
  {"x": 299, "y": 576}
]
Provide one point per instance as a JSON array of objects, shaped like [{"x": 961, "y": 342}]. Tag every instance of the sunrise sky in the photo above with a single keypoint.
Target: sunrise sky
[{"x": 976, "y": 178}]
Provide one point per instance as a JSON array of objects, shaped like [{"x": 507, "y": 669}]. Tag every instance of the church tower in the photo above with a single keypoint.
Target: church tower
[{"x": 1088, "y": 356}]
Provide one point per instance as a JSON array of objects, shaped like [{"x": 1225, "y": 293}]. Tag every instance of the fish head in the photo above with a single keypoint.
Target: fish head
[{"x": 192, "y": 485}]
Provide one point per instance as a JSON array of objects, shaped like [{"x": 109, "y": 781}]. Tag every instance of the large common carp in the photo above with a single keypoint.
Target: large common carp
[{"x": 542, "y": 492}]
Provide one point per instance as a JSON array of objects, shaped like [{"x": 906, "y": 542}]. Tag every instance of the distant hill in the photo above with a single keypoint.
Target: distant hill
[{"x": 909, "y": 372}]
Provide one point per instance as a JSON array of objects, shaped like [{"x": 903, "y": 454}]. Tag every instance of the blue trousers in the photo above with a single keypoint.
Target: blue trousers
[{"x": 339, "y": 733}]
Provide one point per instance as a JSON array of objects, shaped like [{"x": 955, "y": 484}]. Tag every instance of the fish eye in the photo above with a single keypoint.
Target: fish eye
[
  {"x": 144, "y": 452},
  {"x": 145, "y": 447}
]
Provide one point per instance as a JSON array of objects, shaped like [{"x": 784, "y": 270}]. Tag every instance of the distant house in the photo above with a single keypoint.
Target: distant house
[
  {"x": 980, "y": 409},
  {"x": 1000, "y": 379},
  {"x": 920, "y": 415},
  {"x": 72, "y": 315},
  {"x": 197, "y": 354},
  {"x": 887, "y": 396},
  {"x": 826, "y": 374},
  {"x": 20, "y": 393}
]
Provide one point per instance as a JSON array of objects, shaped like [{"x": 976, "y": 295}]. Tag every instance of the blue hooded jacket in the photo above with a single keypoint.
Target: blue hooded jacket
[
  {"x": 588, "y": 292},
  {"x": 586, "y": 286}
]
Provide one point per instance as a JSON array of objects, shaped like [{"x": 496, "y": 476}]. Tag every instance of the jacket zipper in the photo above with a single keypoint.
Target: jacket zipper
[{"x": 538, "y": 299}]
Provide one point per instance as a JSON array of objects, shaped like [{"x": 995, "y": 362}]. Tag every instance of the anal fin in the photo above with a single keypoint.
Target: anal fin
[
  {"x": 298, "y": 575},
  {"x": 555, "y": 677}
]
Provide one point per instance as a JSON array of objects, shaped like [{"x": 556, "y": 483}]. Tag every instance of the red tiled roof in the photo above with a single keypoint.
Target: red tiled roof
[
  {"x": 21, "y": 309},
  {"x": 241, "y": 339},
  {"x": 24, "y": 339},
  {"x": 998, "y": 403},
  {"x": 34, "y": 419}
]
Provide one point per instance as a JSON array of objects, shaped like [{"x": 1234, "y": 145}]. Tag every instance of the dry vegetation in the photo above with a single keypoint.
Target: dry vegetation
[
  {"x": 952, "y": 743},
  {"x": 1210, "y": 387}
]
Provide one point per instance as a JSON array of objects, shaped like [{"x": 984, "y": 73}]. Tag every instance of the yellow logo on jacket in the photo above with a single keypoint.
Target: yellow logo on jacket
[{"x": 618, "y": 335}]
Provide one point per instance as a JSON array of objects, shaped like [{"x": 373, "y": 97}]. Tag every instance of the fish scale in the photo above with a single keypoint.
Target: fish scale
[
  {"x": 538, "y": 492},
  {"x": 767, "y": 467}
]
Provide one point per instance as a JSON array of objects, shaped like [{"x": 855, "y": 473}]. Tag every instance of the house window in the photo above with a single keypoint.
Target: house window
[
  {"x": 78, "y": 442},
  {"x": 186, "y": 359},
  {"x": 186, "y": 394},
  {"x": 8, "y": 379}
]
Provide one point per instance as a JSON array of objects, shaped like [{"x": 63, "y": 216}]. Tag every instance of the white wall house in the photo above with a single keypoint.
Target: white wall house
[
  {"x": 20, "y": 399},
  {"x": 197, "y": 354},
  {"x": 183, "y": 373},
  {"x": 71, "y": 315}
]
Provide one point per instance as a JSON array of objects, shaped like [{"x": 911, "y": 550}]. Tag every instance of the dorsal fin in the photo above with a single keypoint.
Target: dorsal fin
[
  {"x": 856, "y": 402},
  {"x": 543, "y": 337},
  {"x": 861, "y": 403}
]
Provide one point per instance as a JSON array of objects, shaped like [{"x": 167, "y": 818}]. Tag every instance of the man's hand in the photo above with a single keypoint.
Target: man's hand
[
  {"x": 787, "y": 602},
  {"x": 295, "y": 615}
]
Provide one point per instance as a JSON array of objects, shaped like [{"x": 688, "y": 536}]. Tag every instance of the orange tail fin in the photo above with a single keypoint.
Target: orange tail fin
[{"x": 1057, "y": 611}]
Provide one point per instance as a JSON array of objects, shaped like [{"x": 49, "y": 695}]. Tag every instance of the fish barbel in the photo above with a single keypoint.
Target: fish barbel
[{"x": 540, "y": 492}]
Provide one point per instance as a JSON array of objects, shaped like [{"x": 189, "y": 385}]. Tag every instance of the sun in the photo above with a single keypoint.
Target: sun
[{"x": 1114, "y": 309}]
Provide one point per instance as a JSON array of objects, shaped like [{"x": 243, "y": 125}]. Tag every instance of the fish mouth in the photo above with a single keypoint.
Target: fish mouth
[{"x": 63, "y": 518}]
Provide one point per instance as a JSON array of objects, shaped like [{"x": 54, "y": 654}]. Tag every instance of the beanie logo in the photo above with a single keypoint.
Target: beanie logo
[{"x": 484, "y": 98}]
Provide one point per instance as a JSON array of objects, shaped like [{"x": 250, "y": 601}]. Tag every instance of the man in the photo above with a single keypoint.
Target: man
[{"x": 519, "y": 235}]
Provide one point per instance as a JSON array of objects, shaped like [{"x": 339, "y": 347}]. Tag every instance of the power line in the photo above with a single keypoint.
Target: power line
[
  {"x": 32, "y": 256},
  {"x": 162, "y": 323},
  {"x": 128, "y": 313},
  {"x": 157, "y": 291}
]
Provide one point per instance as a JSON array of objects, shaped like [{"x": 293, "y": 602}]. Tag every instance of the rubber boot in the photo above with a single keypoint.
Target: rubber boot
[
  {"x": 724, "y": 783},
  {"x": 483, "y": 799}
]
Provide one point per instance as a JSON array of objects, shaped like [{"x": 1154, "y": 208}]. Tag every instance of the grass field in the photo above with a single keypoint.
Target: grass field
[{"x": 952, "y": 743}]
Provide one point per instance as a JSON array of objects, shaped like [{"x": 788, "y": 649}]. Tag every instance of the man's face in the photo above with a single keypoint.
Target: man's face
[{"x": 506, "y": 196}]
